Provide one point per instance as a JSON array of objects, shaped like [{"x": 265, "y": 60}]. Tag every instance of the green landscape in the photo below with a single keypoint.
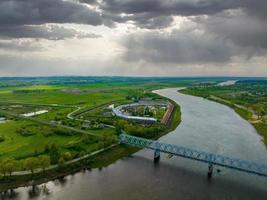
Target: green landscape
[
  {"x": 55, "y": 126},
  {"x": 74, "y": 121}
]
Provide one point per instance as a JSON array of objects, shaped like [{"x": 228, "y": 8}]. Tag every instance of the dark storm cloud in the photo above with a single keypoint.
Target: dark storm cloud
[
  {"x": 20, "y": 18},
  {"x": 171, "y": 7},
  {"x": 151, "y": 14},
  {"x": 145, "y": 13},
  {"x": 239, "y": 27},
  {"x": 255, "y": 8},
  {"x": 50, "y": 32},
  {"x": 182, "y": 7},
  {"x": 158, "y": 14},
  {"x": 180, "y": 46},
  {"x": 225, "y": 28},
  {"x": 34, "y": 12}
]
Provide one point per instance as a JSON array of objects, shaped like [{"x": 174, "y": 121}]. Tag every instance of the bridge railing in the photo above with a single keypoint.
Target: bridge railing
[{"x": 224, "y": 161}]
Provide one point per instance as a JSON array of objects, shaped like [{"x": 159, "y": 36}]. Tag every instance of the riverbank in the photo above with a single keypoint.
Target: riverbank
[
  {"x": 99, "y": 160},
  {"x": 242, "y": 111},
  {"x": 102, "y": 159}
]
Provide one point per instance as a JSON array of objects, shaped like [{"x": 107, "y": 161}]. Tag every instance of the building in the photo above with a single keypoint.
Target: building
[{"x": 118, "y": 112}]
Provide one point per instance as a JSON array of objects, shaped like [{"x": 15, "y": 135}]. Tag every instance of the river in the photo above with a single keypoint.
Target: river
[{"x": 206, "y": 126}]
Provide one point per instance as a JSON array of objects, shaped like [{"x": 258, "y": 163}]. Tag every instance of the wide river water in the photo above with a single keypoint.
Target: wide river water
[{"x": 206, "y": 126}]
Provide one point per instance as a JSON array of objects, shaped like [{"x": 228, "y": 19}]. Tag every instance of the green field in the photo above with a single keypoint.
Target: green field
[{"x": 19, "y": 146}]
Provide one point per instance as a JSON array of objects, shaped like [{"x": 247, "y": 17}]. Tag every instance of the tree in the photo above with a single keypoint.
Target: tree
[
  {"x": 11, "y": 165},
  {"x": 8, "y": 165},
  {"x": 259, "y": 110},
  {"x": 54, "y": 154},
  {"x": 66, "y": 156},
  {"x": 61, "y": 163},
  {"x": 31, "y": 164},
  {"x": 44, "y": 162},
  {"x": 3, "y": 169}
]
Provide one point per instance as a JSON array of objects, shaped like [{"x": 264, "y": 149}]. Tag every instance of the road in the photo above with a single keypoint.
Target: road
[
  {"x": 27, "y": 172},
  {"x": 49, "y": 123}
]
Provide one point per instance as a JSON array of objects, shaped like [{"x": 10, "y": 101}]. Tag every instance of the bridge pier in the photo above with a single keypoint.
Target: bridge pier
[
  {"x": 210, "y": 170},
  {"x": 156, "y": 156}
]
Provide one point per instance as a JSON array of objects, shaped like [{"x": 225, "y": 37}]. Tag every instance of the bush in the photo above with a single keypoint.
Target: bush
[
  {"x": 66, "y": 156},
  {"x": 25, "y": 132},
  {"x": 2, "y": 138},
  {"x": 86, "y": 139},
  {"x": 63, "y": 132},
  {"x": 47, "y": 133}
]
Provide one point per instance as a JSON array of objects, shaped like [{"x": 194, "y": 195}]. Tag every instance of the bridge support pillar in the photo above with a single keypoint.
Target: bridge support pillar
[
  {"x": 210, "y": 170},
  {"x": 156, "y": 156}
]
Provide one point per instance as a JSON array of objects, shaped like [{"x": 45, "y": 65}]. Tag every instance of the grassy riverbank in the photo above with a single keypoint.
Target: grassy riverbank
[
  {"x": 245, "y": 98},
  {"x": 98, "y": 161}
]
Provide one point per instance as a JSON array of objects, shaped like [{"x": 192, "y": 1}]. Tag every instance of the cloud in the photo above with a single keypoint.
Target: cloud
[
  {"x": 171, "y": 7},
  {"x": 208, "y": 33},
  {"x": 142, "y": 20},
  {"x": 212, "y": 38},
  {"x": 29, "y": 19},
  {"x": 150, "y": 14},
  {"x": 239, "y": 27},
  {"x": 154, "y": 14},
  {"x": 180, "y": 46},
  {"x": 20, "y": 45},
  {"x": 32, "y": 12},
  {"x": 255, "y": 8},
  {"x": 50, "y": 32}
]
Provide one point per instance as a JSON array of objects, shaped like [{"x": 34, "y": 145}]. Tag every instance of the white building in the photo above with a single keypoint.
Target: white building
[{"x": 117, "y": 111}]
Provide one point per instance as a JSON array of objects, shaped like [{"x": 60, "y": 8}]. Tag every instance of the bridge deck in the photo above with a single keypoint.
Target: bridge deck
[{"x": 224, "y": 161}]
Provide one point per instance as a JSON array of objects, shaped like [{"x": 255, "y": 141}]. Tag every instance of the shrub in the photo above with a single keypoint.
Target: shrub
[
  {"x": 86, "y": 139},
  {"x": 25, "y": 132},
  {"x": 63, "y": 132},
  {"x": 2, "y": 138},
  {"x": 66, "y": 156}
]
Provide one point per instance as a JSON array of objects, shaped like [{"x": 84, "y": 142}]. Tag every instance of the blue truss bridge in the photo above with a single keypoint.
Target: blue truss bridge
[{"x": 209, "y": 158}]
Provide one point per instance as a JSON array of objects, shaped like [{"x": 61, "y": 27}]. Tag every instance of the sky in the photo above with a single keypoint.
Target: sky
[{"x": 133, "y": 37}]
